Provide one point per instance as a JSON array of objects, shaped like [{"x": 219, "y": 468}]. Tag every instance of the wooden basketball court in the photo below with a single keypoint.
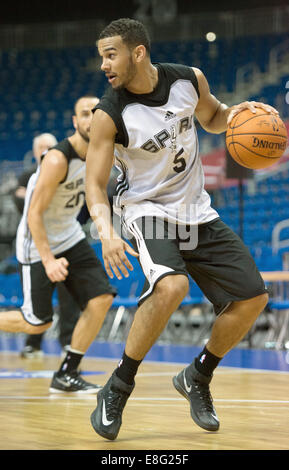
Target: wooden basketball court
[{"x": 252, "y": 405}]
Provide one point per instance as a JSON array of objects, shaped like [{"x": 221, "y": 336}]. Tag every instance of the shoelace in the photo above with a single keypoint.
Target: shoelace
[
  {"x": 75, "y": 379},
  {"x": 115, "y": 403},
  {"x": 205, "y": 396}
]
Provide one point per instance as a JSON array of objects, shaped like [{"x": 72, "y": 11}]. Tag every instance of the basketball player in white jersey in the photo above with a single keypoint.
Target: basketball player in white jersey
[
  {"x": 51, "y": 247},
  {"x": 146, "y": 119},
  {"x": 68, "y": 308}
]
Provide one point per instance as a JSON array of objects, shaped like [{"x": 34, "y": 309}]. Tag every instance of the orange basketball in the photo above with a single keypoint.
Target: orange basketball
[{"x": 256, "y": 140}]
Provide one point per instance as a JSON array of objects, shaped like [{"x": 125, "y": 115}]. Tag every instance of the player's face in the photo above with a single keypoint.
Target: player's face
[
  {"x": 83, "y": 116},
  {"x": 117, "y": 61}
]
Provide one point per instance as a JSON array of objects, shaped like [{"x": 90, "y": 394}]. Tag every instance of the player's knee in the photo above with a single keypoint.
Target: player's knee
[
  {"x": 260, "y": 301},
  {"x": 173, "y": 286},
  {"x": 102, "y": 302},
  {"x": 35, "y": 329},
  {"x": 255, "y": 305}
]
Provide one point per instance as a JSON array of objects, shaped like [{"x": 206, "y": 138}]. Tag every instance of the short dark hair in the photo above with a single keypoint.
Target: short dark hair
[
  {"x": 132, "y": 32},
  {"x": 80, "y": 98}
]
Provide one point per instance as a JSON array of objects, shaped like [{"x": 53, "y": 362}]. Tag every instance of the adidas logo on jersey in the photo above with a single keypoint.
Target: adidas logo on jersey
[
  {"x": 159, "y": 140},
  {"x": 152, "y": 272},
  {"x": 169, "y": 115}
]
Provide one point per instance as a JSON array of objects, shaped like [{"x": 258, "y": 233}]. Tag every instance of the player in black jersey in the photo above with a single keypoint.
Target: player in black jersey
[
  {"x": 51, "y": 247},
  {"x": 145, "y": 120}
]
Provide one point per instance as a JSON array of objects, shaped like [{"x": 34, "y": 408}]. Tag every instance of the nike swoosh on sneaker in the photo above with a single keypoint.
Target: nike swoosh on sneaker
[
  {"x": 105, "y": 421},
  {"x": 62, "y": 382},
  {"x": 188, "y": 388}
]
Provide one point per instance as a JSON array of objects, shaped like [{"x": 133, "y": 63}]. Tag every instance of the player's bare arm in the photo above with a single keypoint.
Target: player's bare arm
[
  {"x": 215, "y": 116},
  {"x": 53, "y": 171},
  {"x": 99, "y": 161},
  {"x": 20, "y": 192}
]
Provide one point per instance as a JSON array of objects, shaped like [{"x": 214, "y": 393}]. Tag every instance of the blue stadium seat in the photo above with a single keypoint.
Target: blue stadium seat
[{"x": 36, "y": 80}]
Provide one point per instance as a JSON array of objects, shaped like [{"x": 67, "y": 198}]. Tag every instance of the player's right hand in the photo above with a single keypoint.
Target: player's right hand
[
  {"x": 114, "y": 257},
  {"x": 56, "y": 269}
]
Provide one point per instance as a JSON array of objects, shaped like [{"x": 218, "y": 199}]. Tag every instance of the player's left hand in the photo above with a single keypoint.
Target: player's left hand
[
  {"x": 251, "y": 105},
  {"x": 114, "y": 257}
]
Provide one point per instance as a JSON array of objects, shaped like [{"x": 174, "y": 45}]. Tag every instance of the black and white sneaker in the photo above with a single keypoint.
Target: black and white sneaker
[
  {"x": 31, "y": 352},
  {"x": 71, "y": 382},
  {"x": 195, "y": 388},
  {"x": 106, "y": 419}
]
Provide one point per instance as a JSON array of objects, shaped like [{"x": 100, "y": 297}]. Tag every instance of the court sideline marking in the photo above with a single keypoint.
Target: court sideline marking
[{"x": 136, "y": 399}]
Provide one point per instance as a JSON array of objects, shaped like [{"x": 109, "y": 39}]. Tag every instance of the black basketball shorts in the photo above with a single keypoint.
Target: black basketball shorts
[
  {"x": 211, "y": 253},
  {"x": 86, "y": 279}
]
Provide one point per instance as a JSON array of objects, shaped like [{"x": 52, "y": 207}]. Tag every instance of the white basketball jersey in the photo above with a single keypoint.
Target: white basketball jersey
[
  {"x": 60, "y": 218},
  {"x": 156, "y": 150}
]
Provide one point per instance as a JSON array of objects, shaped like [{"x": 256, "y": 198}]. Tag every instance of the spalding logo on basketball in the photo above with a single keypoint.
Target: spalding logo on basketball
[{"x": 256, "y": 140}]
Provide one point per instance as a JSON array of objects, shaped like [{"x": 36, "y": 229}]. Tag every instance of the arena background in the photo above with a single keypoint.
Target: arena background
[{"x": 48, "y": 59}]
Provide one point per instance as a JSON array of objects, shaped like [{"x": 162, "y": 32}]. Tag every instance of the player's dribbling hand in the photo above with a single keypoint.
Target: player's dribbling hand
[
  {"x": 115, "y": 259},
  {"x": 56, "y": 269},
  {"x": 252, "y": 105}
]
